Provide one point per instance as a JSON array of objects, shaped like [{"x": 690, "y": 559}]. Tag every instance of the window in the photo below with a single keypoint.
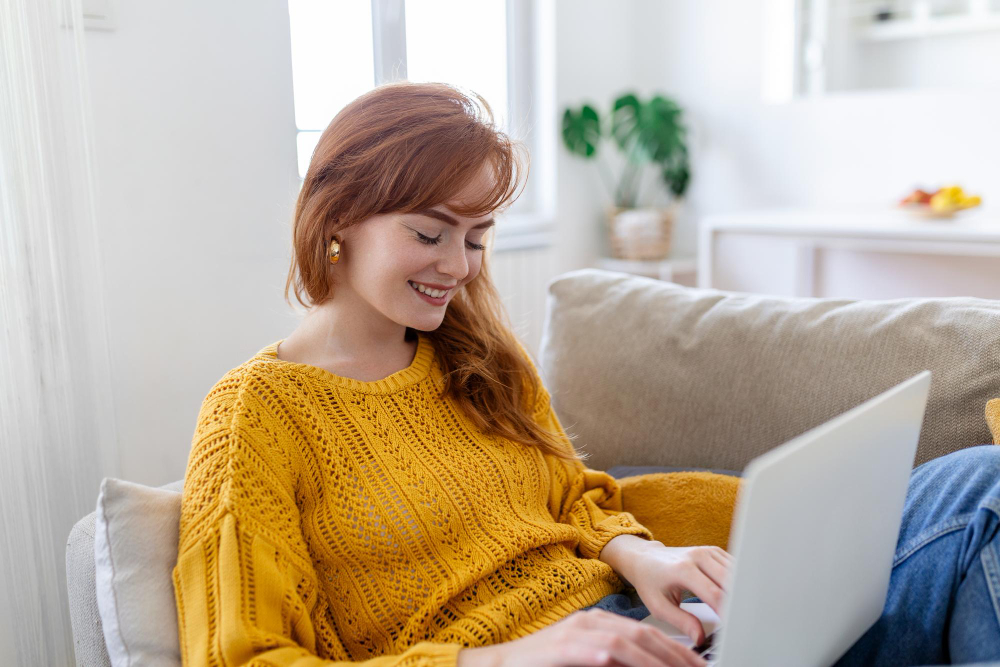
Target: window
[{"x": 341, "y": 49}]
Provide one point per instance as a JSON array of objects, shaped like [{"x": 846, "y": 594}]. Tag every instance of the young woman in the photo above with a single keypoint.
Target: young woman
[{"x": 389, "y": 484}]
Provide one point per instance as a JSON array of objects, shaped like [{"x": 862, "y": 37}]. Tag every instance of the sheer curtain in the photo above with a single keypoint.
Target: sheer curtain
[{"x": 57, "y": 427}]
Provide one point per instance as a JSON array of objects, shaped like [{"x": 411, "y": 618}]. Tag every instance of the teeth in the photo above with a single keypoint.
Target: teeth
[{"x": 436, "y": 293}]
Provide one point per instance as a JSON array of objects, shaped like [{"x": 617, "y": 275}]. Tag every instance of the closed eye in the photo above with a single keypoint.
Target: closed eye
[{"x": 437, "y": 239}]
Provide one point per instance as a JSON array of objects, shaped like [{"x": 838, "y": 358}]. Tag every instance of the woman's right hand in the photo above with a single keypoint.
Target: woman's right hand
[{"x": 590, "y": 638}]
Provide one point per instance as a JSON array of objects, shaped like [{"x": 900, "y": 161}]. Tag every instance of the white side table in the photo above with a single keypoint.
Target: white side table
[
  {"x": 852, "y": 253},
  {"x": 681, "y": 270}
]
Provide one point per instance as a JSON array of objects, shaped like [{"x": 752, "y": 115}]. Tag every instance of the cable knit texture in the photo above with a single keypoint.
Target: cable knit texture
[{"x": 329, "y": 519}]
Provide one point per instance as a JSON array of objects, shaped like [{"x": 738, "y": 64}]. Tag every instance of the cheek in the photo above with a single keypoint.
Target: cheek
[{"x": 475, "y": 264}]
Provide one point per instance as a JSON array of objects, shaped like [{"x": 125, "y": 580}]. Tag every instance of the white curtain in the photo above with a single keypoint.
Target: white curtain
[{"x": 57, "y": 427}]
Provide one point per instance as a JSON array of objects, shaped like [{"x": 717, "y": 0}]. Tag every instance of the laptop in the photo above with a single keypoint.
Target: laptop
[{"x": 813, "y": 538}]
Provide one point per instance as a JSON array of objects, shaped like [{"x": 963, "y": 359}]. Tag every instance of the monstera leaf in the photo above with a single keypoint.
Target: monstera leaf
[
  {"x": 646, "y": 132},
  {"x": 581, "y": 131},
  {"x": 677, "y": 172},
  {"x": 651, "y": 132}
]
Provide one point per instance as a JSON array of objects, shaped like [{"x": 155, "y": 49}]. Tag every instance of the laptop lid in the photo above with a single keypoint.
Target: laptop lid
[{"x": 815, "y": 531}]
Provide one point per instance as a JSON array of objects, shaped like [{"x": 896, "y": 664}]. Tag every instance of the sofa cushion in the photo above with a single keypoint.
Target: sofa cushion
[
  {"x": 647, "y": 372},
  {"x": 136, "y": 531}
]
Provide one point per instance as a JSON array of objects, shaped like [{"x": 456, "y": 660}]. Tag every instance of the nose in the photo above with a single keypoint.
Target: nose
[{"x": 455, "y": 263}]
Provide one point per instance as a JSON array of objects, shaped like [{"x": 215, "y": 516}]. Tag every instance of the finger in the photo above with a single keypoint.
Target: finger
[
  {"x": 727, "y": 564},
  {"x": 716, "y": 571},
  {"x": 708, "y": 591},
  {"x": 722, "y": 556},
  {"x": 623, "y": 648},
  {"x": 577, "y": 654},
  {"x": 685, "y": 621},
  {"x": 649, "y": 636},
  {"x": 679, "y": 654}
]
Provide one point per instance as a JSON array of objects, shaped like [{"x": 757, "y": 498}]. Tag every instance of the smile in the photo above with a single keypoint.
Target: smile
[{"x": 435, "y": 300}]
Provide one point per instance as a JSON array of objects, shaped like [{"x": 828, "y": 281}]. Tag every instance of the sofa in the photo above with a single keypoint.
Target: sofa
[{"x": 675, "y": 389}]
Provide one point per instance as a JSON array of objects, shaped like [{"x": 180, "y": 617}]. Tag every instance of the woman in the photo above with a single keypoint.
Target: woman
[{"x": 390, "y": 484}]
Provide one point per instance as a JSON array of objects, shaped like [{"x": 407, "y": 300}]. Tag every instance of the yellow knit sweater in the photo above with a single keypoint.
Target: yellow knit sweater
[{"x": 328, "y": 519}]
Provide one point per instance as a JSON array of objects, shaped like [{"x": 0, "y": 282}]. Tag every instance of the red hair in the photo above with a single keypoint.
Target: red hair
[{"x": 403, "y": 147}]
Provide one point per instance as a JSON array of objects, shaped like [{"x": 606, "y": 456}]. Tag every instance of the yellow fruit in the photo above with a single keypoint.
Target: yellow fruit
[
  {"x": 953, "y": 192},
  {"x": 942, "y": 203}
]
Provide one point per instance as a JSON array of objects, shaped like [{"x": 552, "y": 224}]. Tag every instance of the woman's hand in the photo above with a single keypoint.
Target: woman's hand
[
  {"x": 591, "y": 638},
  {"x": 661, "y": 574}
]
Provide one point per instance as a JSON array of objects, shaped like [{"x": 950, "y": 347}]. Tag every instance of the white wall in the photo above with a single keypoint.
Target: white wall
[
  {"x": 848, "y": 148},
  {"x": 602, "y": 52},
  {"x": 195, "y": 149}
]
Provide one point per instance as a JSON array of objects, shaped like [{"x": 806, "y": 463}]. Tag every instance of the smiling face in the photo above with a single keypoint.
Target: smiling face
[{"x": 387, "y": 255}]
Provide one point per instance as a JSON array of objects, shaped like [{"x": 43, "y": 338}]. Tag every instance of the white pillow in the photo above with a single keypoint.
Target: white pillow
[{"x": 135, "y": 550}]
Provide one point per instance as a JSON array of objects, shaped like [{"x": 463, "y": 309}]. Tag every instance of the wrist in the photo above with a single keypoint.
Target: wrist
[
  {"x": 623, "y": 551},
  {"x": 480, "y": 656}
]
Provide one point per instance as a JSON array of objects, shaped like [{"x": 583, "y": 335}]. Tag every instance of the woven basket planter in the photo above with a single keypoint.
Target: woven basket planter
[{"x": 641, "y": 234}]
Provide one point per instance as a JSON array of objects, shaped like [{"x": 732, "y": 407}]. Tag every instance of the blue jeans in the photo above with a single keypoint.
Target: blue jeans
[{"x": 943, "y": 604}]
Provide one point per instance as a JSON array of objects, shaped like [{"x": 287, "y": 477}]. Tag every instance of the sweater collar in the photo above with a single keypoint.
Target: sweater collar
[{"x": 412, "y": 374}]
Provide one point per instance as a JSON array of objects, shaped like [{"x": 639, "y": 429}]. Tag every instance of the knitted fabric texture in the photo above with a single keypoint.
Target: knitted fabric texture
[
  {"x": 683, "y": 509},
  {"x": 329, "y": 519},
  {"x": 993, "y": 419}
]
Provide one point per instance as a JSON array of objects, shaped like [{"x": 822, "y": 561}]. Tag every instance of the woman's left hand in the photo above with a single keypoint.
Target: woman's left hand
[{"x": 661, "y": 575}]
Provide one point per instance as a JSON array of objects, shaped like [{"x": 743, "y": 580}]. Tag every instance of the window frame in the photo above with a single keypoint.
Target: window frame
[{"x": 531, "y": 99}]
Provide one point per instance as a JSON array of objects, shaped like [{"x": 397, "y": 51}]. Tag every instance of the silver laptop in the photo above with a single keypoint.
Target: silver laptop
[{"x": 814, "y": 535}]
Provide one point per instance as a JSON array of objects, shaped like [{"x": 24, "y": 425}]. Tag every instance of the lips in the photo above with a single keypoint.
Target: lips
[{"x": 437, "y": 301}]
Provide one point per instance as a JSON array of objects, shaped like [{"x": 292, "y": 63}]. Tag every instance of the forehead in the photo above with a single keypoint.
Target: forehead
[{"x": 475, "y": 190}]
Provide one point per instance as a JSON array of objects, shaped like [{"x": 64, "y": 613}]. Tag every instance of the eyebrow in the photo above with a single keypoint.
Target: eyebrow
[{"x": 444, "y": 217}]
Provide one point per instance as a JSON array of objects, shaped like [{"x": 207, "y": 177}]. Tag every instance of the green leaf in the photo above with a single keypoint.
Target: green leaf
[
  {"x": 650, "y": 132},
  {"x": 677, "y": 177},
  {"x": 624, "y": 120},
  {"x": 581, "y": 131}
]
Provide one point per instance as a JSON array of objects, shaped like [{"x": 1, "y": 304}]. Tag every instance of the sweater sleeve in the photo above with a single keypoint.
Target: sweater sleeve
[
  {"x": 590, "y": 500},
  {"x": 244, "y": 582}
]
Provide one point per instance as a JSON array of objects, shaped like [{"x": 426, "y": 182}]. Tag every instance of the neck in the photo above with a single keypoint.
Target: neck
[{"x": 334, "y": 331}]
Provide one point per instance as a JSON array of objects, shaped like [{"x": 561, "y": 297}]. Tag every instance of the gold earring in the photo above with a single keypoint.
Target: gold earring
[{"x": 334, "y": 250}]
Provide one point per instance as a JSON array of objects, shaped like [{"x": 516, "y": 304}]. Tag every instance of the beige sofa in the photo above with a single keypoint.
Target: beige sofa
[{"x": 648, "y": 373}]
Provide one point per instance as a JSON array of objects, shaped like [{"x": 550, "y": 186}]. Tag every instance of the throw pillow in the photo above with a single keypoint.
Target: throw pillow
[
  {"x": 993, "y": 419},
  {"x": 683, "y": 509},
  {"x": 136, "y": 530}
]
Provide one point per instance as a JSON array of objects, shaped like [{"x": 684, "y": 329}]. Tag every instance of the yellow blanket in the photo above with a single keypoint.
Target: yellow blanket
[
  {"x": 686, "y": 509},
  {"x": 683, "y": 509},
  {"x": 993, "y": 419}
]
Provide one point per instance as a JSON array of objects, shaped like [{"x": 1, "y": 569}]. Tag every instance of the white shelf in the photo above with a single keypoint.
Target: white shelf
[
  {"x": 976, "y": 225},
  {"x": 663, "y": 269},
  {"x": 881, "y": 31}
]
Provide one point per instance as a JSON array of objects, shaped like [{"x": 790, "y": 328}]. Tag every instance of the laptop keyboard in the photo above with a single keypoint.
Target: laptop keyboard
[{"x": 705, "y": 649}]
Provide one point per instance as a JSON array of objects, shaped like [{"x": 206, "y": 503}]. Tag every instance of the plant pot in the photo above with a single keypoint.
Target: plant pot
[{"x": 641, "y": 233}]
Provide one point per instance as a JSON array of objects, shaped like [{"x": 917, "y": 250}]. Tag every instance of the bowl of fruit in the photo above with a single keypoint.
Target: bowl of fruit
[{"x": 942, "y": 203}]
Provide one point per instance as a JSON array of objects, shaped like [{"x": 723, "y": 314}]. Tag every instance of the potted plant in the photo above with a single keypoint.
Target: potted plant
[{"x": 648, "y": 134}]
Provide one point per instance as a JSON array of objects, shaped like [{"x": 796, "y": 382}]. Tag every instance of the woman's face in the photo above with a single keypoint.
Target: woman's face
[{"x": 388, "y": 255}]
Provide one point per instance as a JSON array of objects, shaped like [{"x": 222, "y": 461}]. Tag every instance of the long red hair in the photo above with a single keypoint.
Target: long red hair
[{"x": 403, "y": 147}]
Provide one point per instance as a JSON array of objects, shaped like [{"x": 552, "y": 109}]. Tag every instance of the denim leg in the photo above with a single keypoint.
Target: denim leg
[
  {"x": 943, "y": 604},
  {"x": 623, "y": 605}
]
